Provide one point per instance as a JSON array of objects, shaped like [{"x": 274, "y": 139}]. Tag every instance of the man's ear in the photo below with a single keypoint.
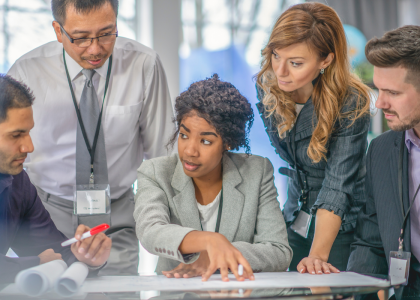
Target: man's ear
[
  {"x": 327, "y": 61},
  {"x": 58, "y": 33}
]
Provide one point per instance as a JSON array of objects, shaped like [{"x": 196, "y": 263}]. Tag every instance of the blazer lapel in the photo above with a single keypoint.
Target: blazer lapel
[
  {"x": 233, "y": 199},
  {"x": 185, "y": 202},
  {"x": 306, "y": 121},
  {"x": 273, "y": 135},
  {"x": 394, "y": 176}
]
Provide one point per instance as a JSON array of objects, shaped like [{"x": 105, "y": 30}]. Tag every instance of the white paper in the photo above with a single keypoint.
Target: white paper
[
  {"x": 71, "y": 280},
  {"x": 262, "y": 280},
  {"x": 37, "y": 280},
  {"x": 91, "y": 202},
  {"x": 398, "y": 270}
]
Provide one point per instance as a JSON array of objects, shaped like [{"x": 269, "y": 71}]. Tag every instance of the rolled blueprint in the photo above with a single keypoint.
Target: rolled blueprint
[
  {"x": 71, "y": 280},
  {"x": 38, "y": 280}
]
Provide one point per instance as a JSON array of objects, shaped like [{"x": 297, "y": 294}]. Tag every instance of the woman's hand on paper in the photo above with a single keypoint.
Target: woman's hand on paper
[
  {"x": 48, "y": 255},
  {"x": 197, "y": 268},
  {"x": 224, "y": 256},
  {"x": 327, "y": 225},
  {"x": 93, "y": 251},
  {"x": 315, "y": 265},
  {"x": 220, "y": 253}
]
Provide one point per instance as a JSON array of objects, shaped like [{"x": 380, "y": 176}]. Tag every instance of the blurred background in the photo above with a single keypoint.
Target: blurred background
[{"x": 196, "y": 38}]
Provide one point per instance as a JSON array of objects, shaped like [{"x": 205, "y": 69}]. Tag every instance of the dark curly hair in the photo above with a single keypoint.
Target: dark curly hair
[{"x": 222, "y": 106}]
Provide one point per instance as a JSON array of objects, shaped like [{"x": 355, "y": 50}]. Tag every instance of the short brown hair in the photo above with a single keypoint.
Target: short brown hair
[
  {"x": 14, "y": 94},
  {"x": 397, "y": 48}
]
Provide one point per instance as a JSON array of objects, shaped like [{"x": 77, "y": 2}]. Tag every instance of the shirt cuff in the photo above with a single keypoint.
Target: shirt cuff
[
  {"x": 331, "y": 200},
  {"x": 190, "y": 258},
  {"x": 96, "y": 268},
  {"x": 93, "y": 271}
]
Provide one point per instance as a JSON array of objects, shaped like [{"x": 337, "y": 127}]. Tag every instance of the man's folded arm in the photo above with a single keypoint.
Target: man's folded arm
[
  {"x": 37, "y": 232},
  {"x": 11, "y": 266}
]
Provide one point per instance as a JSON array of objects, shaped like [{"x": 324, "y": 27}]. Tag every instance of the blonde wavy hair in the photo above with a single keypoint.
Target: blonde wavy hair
[{"x": 320, "y": 28}]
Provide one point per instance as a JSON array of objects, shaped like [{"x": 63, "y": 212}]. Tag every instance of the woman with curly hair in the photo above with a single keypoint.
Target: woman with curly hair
[
  {"x": 207, "y": 208},
  {"x": 317, "y": 116}
]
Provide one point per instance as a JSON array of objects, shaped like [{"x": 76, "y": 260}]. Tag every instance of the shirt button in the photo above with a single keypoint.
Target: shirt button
[
  {"x": 156, "y": 249},
  {"x": 160, "y": 250},
  {"x": 164, "y": 250}
]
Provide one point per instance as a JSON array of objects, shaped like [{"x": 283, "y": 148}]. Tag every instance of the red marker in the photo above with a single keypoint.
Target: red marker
[{"x": 87, "y": 234}]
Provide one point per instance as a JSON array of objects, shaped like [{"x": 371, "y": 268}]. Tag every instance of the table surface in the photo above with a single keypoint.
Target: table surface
[{"x": 267, "y": 285}]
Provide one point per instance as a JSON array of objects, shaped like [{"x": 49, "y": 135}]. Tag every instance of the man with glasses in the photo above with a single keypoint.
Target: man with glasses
[{"x": 102, "y": 106}]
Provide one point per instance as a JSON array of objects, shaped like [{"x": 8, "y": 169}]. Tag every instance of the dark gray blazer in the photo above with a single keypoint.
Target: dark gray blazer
[
  {"x": 339, "y": 182},
  {"x": 166, "y": 210},
  {"x": 380, "y": 220}
]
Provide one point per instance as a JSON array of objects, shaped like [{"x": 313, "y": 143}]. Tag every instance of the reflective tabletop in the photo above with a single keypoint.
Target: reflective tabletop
[
  {"x": 255, "y": 293},
  {"x": 285, "y": 285}
]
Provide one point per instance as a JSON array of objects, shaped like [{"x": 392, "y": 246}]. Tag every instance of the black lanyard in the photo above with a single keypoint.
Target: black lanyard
[
  {"x": 400, "y": 190},
  {"x": 291, "y": 145},
  {"x": 219, "y": 214},
  {"x": 79, "y": 117}
]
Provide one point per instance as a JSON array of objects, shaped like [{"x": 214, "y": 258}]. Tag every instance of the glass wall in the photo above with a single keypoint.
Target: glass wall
[{"x": 226, "y": 37}]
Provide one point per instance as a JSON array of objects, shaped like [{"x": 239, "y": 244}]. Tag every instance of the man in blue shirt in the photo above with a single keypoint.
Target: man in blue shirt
[{"x": 25, "y": 225}]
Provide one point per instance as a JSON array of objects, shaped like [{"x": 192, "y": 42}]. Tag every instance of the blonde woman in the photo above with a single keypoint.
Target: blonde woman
[{"x": 317, "y": 117}]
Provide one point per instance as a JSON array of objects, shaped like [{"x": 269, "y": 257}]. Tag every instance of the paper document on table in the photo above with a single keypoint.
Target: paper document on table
[
  {"x": 262, "y": 280},
  {"x": 38, "y": 280},
  {"x": 71, "y": 280},
  {"x": 41, "y": 279}
]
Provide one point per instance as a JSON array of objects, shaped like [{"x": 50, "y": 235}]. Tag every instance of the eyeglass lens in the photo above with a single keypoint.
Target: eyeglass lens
[{"x": 105, "y": 39}]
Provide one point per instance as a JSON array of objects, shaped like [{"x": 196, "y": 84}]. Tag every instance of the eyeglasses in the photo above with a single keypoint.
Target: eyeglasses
[{"x": 86, "y": 42}]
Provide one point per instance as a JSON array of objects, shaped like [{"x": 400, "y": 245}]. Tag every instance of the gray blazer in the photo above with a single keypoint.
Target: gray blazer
[{"x": 166, "y": 210}]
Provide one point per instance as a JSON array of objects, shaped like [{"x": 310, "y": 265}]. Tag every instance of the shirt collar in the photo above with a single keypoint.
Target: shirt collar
[
  {"x": 75, "y": 70},
  {"x": 5, "y": 181},
  {"x": 411, "y": 139}
]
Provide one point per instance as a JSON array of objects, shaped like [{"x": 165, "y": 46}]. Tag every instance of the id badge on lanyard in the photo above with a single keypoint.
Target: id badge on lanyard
[
  {"x": 399, "y": 267},
  {"x": 91, "y": 198},
  {"x": 302, "y": 223},
  {"x": 399, "y": 261}
]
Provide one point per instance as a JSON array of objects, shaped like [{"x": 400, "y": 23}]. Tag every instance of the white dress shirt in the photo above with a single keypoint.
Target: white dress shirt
[
  {"x": 208, "y": 214},
  {"x": 298, "y": 108},
  {"x": 137, "y": 117}
]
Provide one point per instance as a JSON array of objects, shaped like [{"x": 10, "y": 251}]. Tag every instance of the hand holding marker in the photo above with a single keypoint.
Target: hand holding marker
[{"x": 93, "y": 231}]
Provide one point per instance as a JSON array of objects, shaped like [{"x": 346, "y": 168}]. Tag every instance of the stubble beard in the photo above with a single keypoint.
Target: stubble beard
[
  {"x": 6, "y": 165},
  {"x": 406, "y": 124}
]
